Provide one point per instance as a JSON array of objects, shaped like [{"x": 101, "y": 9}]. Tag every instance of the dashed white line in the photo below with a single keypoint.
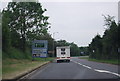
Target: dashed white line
[
  {"x": 107, "y": 72},
  {"x": 87, "y": 66},
  {"x": 97, "y": 69}
]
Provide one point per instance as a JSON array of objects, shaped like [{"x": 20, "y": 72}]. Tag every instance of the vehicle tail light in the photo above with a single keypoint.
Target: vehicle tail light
[
  {"x": 68, "y": 57},
  {"x": 58, "y": 58}
]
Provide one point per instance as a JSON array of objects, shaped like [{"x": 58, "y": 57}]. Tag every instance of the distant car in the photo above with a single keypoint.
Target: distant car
[{"x": 63, "y": 53}]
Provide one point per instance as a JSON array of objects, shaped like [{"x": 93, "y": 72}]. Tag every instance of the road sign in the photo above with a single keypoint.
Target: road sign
[{"x": 39, "y": 48}]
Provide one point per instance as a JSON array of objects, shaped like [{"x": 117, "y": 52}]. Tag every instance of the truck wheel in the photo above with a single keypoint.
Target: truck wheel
[
  {"x": 58, "y": 61},
  {"x": 68, "y": 60}
]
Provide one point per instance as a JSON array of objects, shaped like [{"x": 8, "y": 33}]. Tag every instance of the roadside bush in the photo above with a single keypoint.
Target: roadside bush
[{"x": 16, "y": 54}]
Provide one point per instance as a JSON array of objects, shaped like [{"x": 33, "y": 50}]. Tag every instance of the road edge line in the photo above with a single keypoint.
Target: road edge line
[{"x": 97, "y": 70}]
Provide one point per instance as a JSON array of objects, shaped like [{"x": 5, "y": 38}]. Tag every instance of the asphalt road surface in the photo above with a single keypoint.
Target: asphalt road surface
[{"x": 76, "y": 69}]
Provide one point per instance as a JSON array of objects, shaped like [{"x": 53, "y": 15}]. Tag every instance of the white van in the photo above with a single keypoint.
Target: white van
[{"x": 63, "y": 53}]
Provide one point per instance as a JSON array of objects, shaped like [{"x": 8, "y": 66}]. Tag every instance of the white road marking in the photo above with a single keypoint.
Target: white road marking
[
  {"x": 97, "y": 69},
  {"x": 107, "y": 72},
  {"x": 87, "y": 66}
]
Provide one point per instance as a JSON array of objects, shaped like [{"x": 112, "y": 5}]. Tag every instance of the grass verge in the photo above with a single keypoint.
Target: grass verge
[
  {"x": 84, "y": 57},
  {"x": 116, "y": 62},
  {"x": 12, "y": 67}
]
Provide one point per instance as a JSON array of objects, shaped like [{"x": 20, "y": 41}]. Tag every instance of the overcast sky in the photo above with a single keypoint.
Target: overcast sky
[{"x": 78, "y": 22}]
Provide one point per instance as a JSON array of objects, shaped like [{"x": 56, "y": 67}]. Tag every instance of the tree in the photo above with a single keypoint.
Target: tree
[
  {"x": 108, "y": 20},
  {"x": 106, "y": 47},
  {"x": 24, "y": 0},
  {"x": 110, "y": 39},
  {"x": 96, "y": 47},
  {"x": 118, "y": 33},
  {"x": 6, "y": 40},
  {"x": 0, "y": 41},
  {"x": 26, "y": 19},
  {"x": 62, "y": 43},
  {"x": 83, "y": 51},
  {"x": 74, "y": 49}
]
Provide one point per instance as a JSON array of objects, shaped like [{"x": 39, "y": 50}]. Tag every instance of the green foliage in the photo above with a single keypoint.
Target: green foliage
[
  {"x": 13, "y": 68},
  {"x": 25, "y": 0},
  {"x": 6, "y": 40},
  {"x": 74, "y": 49},
  {"x": 23, "y": 22},
  {"x": 44, "y": 59},
  {"x": 113, "y": 61},
  {"x": 96, "y": 47},
  {"x": 16, "y": 54},
  {"x": 16, "y": 41},
  {"x": 106, "y": 47},
  {"x": 83, "y": 51},
  {"x": 0, "y": 31}
]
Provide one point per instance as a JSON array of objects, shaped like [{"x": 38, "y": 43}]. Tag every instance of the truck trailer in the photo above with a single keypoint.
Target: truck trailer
[{"x": 63, "y": 54}]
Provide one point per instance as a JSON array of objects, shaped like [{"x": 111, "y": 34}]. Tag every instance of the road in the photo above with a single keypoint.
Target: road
[{"x": 76, "y": 69}]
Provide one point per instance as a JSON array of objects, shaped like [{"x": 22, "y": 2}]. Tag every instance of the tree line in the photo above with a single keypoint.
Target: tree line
[
  {"x": 23, "y": 22},
  {"x": 107, "y": 46},
  {"x": 74, "y": 49}
]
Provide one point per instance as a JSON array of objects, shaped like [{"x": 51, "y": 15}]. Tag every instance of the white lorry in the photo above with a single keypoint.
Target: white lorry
[{"x": 63, "y": 53}]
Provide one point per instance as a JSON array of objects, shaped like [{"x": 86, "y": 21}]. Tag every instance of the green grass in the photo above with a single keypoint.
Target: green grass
[
  {"x": 14, "y": 53},
  {"x": 44, "y": 59},
  {"x": 16, "y": 62},
  {"x": 12, "y": 67},
  {"x": 116, "y": 62},
  {"x": 74, "y": 56},
  {"x": 106, "y": 61},
  {"x": 84, "y": 57}
]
